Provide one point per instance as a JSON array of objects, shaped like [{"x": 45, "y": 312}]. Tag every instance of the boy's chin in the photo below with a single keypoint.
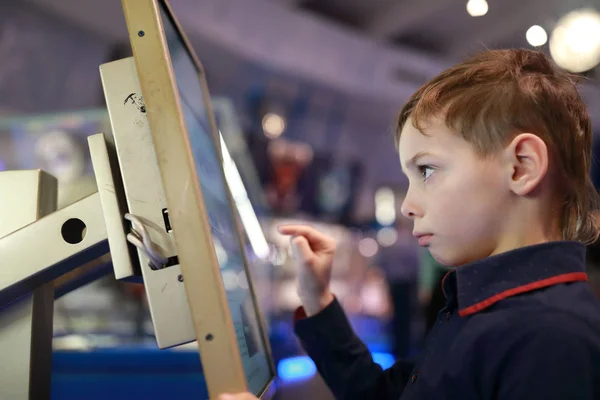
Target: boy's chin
[
  {"x": 448, "y": 258},
  {"x": 440, "y": 256}
]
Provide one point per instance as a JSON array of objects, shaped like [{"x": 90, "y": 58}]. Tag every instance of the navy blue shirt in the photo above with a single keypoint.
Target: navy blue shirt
[{"x": 519, "y": 325}]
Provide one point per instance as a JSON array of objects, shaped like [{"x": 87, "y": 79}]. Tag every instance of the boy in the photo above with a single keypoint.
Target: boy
[{"x": 497, "y": 154}]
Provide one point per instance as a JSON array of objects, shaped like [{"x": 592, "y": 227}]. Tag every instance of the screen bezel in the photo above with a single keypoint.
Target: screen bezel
[{"x": 217, "y": 343}]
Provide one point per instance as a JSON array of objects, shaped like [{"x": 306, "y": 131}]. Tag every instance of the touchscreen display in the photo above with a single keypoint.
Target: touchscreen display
[{"x": 220, "y": 212}]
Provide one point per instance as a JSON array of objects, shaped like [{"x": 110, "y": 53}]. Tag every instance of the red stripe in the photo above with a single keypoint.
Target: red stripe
[
  {"x": 571, "y": 277},
  {"x": 299, "y": 314}
]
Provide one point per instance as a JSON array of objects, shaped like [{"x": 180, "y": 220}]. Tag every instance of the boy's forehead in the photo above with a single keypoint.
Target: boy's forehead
[
  {"x": 412, "y": 140},
  {"x": 435, "y": 138}
]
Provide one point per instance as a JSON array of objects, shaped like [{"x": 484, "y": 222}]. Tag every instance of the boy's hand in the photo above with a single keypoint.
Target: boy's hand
[
  {"x": 314, "y": 253},
  {"x": 238, "y": 396}
]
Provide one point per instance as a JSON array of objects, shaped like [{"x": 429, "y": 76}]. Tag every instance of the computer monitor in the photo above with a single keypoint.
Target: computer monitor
[{"x": 231, "y": 336}]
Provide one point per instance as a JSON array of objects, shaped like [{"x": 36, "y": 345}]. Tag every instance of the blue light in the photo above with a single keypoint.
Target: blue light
[
  {"x": 296, "y": 369},
  {"x": 302, "y": 367},
  {"x": 385, "y": 360}
]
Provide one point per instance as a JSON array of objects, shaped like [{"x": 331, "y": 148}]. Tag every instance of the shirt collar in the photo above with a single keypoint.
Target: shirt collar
[{"x": 482, "y": 283}]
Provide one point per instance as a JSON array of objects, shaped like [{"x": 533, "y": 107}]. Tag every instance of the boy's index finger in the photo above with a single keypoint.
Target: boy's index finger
[
  {"x": 309, "y": 233},
  {"x": 295, "y": 230}
]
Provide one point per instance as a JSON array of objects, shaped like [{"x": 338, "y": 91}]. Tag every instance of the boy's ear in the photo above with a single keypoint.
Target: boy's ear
[{"x": 527, "y": 155}]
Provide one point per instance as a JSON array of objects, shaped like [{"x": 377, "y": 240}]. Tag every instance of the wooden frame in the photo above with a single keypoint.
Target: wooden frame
[{"x": 206, "y": 294}]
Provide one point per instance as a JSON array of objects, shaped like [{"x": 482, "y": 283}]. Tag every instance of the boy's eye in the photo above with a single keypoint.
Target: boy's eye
[{"x": 426, "y": 171}]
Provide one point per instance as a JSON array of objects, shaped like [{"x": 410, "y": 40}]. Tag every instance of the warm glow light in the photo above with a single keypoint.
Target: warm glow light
[
  {"x": 368, "y": 247},
  {"x": 387, "y": 236},
  {"x": 575, "y": 42},
  {"x": 273, "y": 125},
  {"x": 536, "y": 36},
  {"x": 385, "y": 210},
  {"x": 477, "y": 8}
]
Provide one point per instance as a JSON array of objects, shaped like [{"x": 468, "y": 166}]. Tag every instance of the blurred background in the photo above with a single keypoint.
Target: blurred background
[{"x": 305, "y": 93}]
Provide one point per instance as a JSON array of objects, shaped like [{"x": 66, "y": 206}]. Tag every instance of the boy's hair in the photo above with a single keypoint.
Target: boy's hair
[{"x": 497, "y": 94}]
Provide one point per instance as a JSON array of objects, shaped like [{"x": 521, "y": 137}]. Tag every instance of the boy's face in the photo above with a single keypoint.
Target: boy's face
[{"x": 455, "y": 198}]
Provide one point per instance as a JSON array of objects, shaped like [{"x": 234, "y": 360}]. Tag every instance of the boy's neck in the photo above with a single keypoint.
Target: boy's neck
[
  {"x": 527, "y": 233},
  {"x": 518, "y": 242}
]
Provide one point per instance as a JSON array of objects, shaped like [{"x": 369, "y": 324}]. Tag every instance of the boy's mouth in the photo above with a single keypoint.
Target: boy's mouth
[{"x": 423, "y": 238}]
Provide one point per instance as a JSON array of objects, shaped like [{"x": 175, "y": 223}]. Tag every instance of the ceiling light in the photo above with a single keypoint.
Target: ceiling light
[
  {"x": 273, "y": 125},
  {"x": 477, "y": 8},
  {"x": 536, "y": 36},
  {"x": 575, "y": 42}
]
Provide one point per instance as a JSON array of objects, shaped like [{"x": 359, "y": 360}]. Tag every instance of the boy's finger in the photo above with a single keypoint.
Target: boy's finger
[{"x": 313, "y": 235}]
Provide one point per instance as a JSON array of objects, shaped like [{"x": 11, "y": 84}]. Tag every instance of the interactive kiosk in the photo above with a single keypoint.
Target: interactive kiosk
[{"x": 163, "y": 210}]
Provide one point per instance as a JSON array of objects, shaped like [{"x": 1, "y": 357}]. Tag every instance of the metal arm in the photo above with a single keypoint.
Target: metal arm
[{"x": 42, "y": 251}]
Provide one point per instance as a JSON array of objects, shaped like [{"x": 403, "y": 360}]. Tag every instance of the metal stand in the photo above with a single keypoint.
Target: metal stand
[
  {"x": 26, "y": 324},
  {"x": 39, "y": 244}
]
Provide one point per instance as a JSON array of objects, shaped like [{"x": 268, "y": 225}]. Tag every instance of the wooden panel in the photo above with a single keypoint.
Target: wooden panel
[{"x": 215, "y": 333}]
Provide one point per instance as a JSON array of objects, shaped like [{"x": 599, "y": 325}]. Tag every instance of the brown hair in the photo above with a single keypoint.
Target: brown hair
[{"x": 497, "y": 94}]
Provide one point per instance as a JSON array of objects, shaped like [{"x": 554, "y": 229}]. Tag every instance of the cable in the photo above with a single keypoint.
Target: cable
[{"x": 140, "y": 238}]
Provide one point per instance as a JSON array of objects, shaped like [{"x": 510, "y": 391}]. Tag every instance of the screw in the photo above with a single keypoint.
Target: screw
[
  {"x": 180, "y": 278},
  {"x": 209, "y": 337},
  {"x": 141, "y": 33}
]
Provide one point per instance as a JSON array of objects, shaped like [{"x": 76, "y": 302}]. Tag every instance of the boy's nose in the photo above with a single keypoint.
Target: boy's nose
[
  {"x": 408, "y": 214},
  {"x": 409, "y": 209}
]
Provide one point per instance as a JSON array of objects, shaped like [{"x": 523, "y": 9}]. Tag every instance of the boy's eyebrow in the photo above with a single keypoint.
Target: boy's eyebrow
[{"x": 413, "y": 160}]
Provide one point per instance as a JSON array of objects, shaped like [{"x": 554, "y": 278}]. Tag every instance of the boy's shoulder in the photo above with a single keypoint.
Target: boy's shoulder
[
  {"x": 559, "y": 313},
  {"x": 525, "y": 338},
  {"x": 543, "y": 350}
]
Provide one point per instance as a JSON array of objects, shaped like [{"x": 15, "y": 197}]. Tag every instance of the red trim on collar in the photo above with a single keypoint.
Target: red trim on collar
[
  {"x": 564, "y": 278},
  {"x": 444, "y": 280},
  {"x": 299, "y": 314}
]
